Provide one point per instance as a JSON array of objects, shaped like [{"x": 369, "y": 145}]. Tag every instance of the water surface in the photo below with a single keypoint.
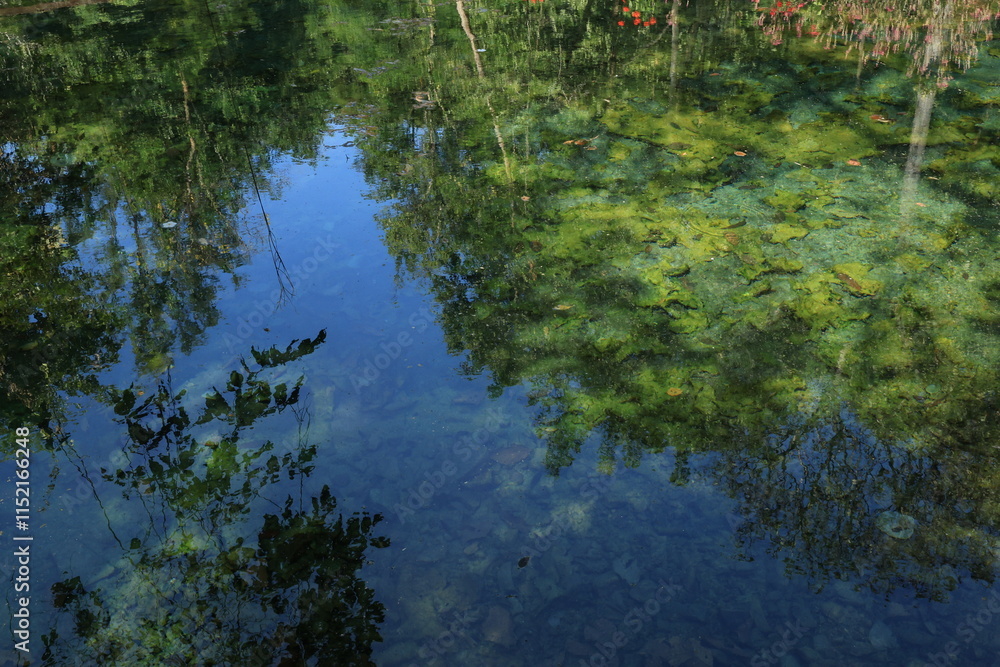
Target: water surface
[{"x": 521, "y": 333}]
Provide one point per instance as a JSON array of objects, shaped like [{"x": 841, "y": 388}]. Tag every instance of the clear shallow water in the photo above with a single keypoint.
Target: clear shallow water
[{"x": 477, "y": 394}]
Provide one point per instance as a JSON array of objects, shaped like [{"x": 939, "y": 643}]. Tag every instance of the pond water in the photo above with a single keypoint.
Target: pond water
[{"x": 500, "y": 333}]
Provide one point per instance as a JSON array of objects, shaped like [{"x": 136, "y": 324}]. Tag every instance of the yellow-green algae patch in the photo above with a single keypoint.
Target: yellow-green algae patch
[
  {"x": 783, "y": 233},
  {"x": 852, "y": 275},
  {"x": 734, "y": 278}
]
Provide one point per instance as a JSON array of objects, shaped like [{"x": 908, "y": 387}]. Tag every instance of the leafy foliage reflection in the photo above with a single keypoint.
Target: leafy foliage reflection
[{"x": 221, "y": 573}]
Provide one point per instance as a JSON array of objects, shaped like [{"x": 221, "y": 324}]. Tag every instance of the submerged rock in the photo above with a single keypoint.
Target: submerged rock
[
  {"x": 628, "y": 569},
  {"x": 881, "y": 637},
  {"x": 508, "y": 456},
  {"x": 498, "y": 628},
  {"x": 895, "y": 524}
]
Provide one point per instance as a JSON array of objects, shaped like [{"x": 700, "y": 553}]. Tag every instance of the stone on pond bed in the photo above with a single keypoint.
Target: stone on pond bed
[
  {"x": 498, "y": 627},
  {"x": 895, "y": 524},
  {"x": 508, "y": 456}
]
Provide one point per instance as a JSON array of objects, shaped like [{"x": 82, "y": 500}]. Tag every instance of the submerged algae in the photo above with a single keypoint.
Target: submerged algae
[
  {"x": 818, "y": 251},
  {"x": 705, "y": 240}
]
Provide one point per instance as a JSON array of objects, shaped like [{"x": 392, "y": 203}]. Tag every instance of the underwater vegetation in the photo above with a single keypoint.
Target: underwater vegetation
[
  {"x": 764, "y": 274},
  {"x": 725, "y": 263}
]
